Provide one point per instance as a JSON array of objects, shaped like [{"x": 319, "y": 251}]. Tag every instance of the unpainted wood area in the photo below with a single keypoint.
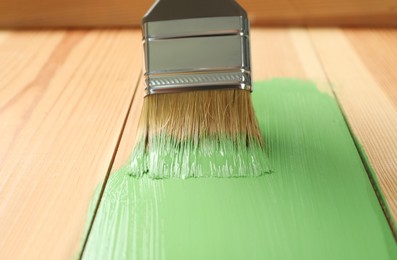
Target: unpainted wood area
[
  {"x": 69, "y": 109},
  {"x": 74, "y": 13},
  {"x": 361, "y": 64},
  {"x": 64, "y": 96}
]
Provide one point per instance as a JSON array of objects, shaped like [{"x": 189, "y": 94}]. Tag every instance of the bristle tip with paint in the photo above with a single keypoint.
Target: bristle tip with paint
[{"x": 199, "y": 134}]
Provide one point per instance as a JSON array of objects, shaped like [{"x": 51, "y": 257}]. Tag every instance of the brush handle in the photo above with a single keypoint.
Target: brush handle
[{"x": 186, "y": 9}]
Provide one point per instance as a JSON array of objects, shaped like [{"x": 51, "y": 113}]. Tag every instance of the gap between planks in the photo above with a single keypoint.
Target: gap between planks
[
  {"x": 367, "y": 106},
  {"x": 67, "y": 96},
  {"x": 103, "y": 186}
]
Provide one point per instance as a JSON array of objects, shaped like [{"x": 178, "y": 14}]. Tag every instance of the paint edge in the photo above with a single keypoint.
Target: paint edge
[{"x": 375, "y": 184}]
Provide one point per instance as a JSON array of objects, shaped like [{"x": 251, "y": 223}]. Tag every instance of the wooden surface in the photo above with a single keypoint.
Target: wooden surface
[
  {"x": 67, "y": 13},
  {"x": 361, "y": 66},
  {"x": 63, "y": 101},
  {"x": 69, "y": 108}
]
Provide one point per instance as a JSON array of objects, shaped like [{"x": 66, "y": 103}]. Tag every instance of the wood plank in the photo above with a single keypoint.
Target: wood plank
[
  {"x": 16, "y": 57},
  {"x": 377, "y": 49},
  {"x": 156, "y": 218},
  {"x": 294, "y": 48},
  {"x": 129, "y": 134},
  {"x": 360, "y": 66},
  {"x": 3, "y": 35},
  {"x": 63, "y": 101},
  {"x": 61, "y": 13}
]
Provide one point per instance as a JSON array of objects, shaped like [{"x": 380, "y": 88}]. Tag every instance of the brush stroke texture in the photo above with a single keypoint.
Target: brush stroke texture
[{"x": 318, "y": 203}]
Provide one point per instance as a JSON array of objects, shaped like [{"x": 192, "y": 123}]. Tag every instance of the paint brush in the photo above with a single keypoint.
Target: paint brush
[{"x": 197, "y": 117}]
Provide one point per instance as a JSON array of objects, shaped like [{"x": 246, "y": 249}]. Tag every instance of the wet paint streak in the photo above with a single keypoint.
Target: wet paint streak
[{"x": 318, "y": 203}]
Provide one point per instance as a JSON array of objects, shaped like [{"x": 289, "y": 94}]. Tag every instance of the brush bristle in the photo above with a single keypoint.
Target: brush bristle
[{"x": 199, "y": 134}]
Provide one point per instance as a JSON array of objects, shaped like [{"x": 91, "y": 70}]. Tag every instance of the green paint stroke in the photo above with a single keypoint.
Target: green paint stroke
[
  {"x": 218, "y": 156},
  {"x": 318, "y": 203},
  {"x": 375, "y": 182}
]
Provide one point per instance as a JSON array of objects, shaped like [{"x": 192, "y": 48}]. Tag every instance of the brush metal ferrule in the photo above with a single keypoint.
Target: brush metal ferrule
[{"x": 197, "y": 54}]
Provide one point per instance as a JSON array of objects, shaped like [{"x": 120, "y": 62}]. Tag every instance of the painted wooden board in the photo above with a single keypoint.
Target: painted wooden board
[
  {"x": 64, "y": 97},
  {"x": 68, "y": 13},
  {"x": 128, "y": 139},
  {"x": 55, "y": 91},
  {"x": 361, "y": 66},
  {"x": 316, "y": 205}
]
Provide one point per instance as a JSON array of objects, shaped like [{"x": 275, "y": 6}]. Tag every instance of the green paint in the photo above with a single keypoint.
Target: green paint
[
  {"x": 318, "y": 203},
  {"x": 375, "y": 182},
  {"x": 211, "y": 157}
]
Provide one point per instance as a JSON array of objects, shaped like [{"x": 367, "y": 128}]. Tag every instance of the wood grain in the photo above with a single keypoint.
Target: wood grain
[
  {"x": 128, "y": 139},
  {"x": 63, "y": 101},
  {"x": 377, "y": 50},
  {"x": 65, "y": 95},
  {"x": 359, "y": 65},
  {"x": 74, "y": 13},
  {"x": 286, "y": 53}
]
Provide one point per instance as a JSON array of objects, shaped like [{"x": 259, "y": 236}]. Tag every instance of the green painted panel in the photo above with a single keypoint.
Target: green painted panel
[{"x": 317, "y": 204}]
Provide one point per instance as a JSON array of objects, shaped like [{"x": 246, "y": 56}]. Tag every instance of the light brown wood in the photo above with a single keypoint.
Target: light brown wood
[
  {"x": 278, "y": 53},
  {"x": 377, "y": 48},
  {"x": 362, "y": 73},
  {"x": 128, "y": 139},
  {"x": 64, "y": 97},
  {"x": 67, "y": 13}
]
